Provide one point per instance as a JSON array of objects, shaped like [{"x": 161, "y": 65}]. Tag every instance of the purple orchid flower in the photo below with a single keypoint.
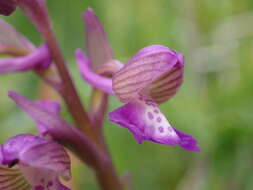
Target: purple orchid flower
[
  {"x": 29, "y": 161},
  {"x": 150, "y": 78},
  {"x": 50, "y": 125},
  {"x": 11, "y": 42}
]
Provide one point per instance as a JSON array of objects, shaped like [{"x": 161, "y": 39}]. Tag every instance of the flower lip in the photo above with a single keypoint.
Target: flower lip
[
  {"x": 142, "y": 73},
  {"x": 146, "y": 122}
]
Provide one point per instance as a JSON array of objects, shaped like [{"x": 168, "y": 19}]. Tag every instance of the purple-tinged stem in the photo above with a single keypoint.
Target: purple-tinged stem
[
  {"x": 37, "y": 12},
  {"x": 108, "y": 180},
  {"x": 98, "y": 109},
  {"x": 68, "y": 90}
]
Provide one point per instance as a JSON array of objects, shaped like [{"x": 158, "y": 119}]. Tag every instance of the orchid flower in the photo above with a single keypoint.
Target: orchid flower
[
  {"x": 99, "y": 53},
  {"x": 28, "y": 161},
  {"x": 33, "y": 162},
  {"x": 27, "y": 56},
  {"x": 50, "y": 125},
  {"x": 150, "y": 78}
]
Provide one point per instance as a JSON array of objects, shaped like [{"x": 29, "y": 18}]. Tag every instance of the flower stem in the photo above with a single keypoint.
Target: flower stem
[
  {"x": 107, "y": 178},
  {"x": 106, "y": 174},
  {"x": 68, "y": 90}
]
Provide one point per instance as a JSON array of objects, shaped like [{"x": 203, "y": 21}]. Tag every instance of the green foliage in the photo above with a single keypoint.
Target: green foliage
[{"x": 215, "y": 104}]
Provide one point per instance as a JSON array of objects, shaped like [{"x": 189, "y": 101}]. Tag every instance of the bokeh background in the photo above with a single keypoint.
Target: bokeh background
[{"x": 215, "y": 103}]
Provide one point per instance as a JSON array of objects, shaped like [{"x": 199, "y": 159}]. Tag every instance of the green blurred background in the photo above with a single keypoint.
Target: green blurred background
[{"x": 215, "y": 103}]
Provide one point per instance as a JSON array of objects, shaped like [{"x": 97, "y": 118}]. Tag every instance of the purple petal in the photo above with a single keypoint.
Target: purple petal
[
  {"x": 97, "y": 81},
  {"x": 99, "y": 50},
  {"x": 50, "y": 106},
  {"x": 1, "y": 154},
  {"x": 7, "y": 6},
  {"x": 145, "y": 121},
  {"x": 35, "y": 151},
  {"x": 14, "y": 146},
  {"x": 187, "y": 141},
  {"x": 39, "y": 160},
  {"x": 59, "y": 130},
  {"x": 43, "y": 112},
  {"x": 48, "y": 155},
  {"x": 40, "y": 58},
  {"x": 10, "y": 38},
  {"x": 155, "y": 72}
]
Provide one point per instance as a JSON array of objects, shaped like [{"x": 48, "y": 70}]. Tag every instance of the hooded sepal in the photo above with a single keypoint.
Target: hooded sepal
[
  {"x": 155, "y": 72},
  {"x": 35, "y": 161}
]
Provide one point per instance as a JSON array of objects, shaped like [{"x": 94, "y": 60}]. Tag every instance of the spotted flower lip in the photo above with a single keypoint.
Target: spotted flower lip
[{"x": 29, "y": 161}]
